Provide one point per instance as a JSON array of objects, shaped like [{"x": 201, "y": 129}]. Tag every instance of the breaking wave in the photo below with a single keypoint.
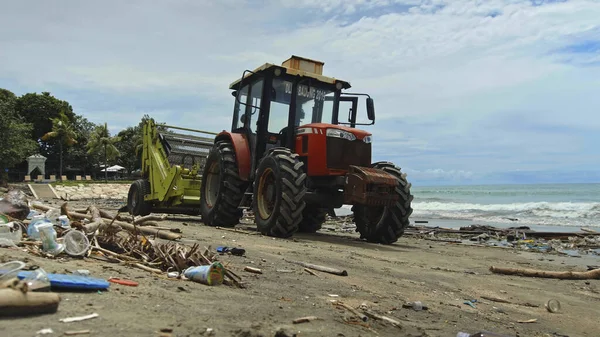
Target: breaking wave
[{"x": 548, "y": 213}]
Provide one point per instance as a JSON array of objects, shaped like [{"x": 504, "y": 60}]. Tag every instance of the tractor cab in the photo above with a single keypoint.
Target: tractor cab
[{"x": 274, "y": 105}]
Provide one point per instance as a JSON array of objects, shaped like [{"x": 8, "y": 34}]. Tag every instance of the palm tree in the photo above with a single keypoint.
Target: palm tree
[
  {"x": 101, "y": 141},
  {"x": 64, "y": 132}
]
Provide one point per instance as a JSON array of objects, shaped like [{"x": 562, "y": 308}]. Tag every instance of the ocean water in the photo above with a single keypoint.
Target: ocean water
[{"x": 560, "y": 205}]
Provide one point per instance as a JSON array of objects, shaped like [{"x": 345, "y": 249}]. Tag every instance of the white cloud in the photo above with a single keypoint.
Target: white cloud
[{"x": 445, "y": 75}]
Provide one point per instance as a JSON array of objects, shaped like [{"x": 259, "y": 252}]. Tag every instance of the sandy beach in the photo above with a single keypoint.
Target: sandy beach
[{"x": 442, "y": 275}]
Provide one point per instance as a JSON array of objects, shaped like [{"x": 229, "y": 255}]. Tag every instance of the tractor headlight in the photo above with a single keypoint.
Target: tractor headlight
[
  {"x": 368, "y": 139},
  {"x": 340, "y": 134}
]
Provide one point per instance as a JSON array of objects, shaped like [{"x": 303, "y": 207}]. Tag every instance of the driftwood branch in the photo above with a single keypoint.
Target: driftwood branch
[
  {"x": 320, "y": 268},
  {"x": 96, "y": 223},
  {"x": 563, "y": 275},
  {"x": 125, "y": 225},
  {"x": 151, "y": 217}
]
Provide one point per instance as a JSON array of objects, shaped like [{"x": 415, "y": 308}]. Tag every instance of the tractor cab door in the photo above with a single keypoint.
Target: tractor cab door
[{"x": 349, "y": 104}]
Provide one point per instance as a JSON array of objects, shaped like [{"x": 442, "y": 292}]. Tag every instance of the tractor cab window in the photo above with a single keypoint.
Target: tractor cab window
[
  {"x": 280, "y": 105},
  {"x": 240, "y": 109},
  {"x": 311, "y": 105},
  {"x": 245, "y": 113}
]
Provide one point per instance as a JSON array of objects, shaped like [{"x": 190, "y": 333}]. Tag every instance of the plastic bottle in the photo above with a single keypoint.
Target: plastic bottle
[
  {"x": 53, "y": 215},
  {"x": 48, "y": 236},
  {"x": 63, "y": 221},
  {"x": 32, "y": 229}
]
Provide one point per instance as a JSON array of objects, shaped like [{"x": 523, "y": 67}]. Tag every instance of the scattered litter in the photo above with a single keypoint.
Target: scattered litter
[
  {"x": 553, "y": 306},
  {"x": 333, "y": 295},
  {"x": 253, "y": 270},
  {"x": 79, "y": 318},
  {"x": 210, "y": 275},
  {"x": 358, "y": 314},
  {"x": 320, "y": 268},
  {"x": 305, "y": 319},
  {"x": 470, "y": 303},
  {"x": 78, "y": 332},
  {"x": 123, "y": 282},
  {"x": 533, "y": 320},
  {"x": 232, "y": 251},
  {"x": 311, "y": 272},
  {"x": 44, "y": 331},
  {"x": 417, "y": 306}
]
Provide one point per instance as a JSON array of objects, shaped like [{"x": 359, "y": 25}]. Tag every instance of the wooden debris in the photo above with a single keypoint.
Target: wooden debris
[
  {"x": 320, "y": 268},
  {"x": 124, "y": 225},
  {"x": 564, "y": 275},
  {"x": 79, "y": 318},
  {"x": 533, "y": 320},
  {"x": 78, "y": 332},
  {"x": 358, "y": 314},
  {"x": 253, "y": 270},
  {"x": 495, "y": 299},
  {"x": 16, "y": 300},
  {"x": 311, "y": 272},
  {"x": 305, "y": 319},
  {"x": 383, "y": 318}
]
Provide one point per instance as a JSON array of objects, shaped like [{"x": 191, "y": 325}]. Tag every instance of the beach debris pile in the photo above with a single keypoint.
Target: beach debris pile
[
  {"x": 522, "y": 238},
  {"x": 90, "y": 232}
]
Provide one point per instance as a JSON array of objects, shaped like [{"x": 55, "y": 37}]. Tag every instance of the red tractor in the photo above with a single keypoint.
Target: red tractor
[{"x": 290, "y": 158}]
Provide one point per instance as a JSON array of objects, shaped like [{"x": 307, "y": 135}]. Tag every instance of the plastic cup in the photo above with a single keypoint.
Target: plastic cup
[
  {"x": 76, "y": 243},
  {"x": 10, "y": 269},
  {"x": 553, "y": 306},
  {"x": 211, "y": 275}
]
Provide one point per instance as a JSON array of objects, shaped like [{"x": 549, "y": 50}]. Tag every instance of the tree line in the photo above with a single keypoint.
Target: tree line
[{"x": 43, "y": 124}]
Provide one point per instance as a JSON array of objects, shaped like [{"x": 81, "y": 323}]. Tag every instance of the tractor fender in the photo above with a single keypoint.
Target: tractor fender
[{"x": 242, "y": 151}]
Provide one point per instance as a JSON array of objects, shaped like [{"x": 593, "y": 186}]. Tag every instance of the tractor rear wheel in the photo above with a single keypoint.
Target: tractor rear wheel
[
  {"x": 222, "y": 189},
  {"x": 312, "y": 219},
  {"x": 385, "y": 224},
  {"x": 279, "y": 191},
  {"x": 136, "y": 205}
]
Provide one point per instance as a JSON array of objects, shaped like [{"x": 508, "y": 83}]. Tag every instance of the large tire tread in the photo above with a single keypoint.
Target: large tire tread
[
  {"x": 142, "y": 207},
  {"x": 290, "y": 177},
  {"x": 312, "y": 219},
  {"x": 226, "y": 211},
  {"x": 395, "y": 218}
]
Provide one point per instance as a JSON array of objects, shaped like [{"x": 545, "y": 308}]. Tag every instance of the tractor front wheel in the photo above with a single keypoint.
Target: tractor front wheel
[
  {"x": 136, "y": 205},
  {"x": 222, "y": 189},
  {"x": 312, "y": 219},
  {"x": 385, "y": 224},
  {"x": 279, "y": 191}
]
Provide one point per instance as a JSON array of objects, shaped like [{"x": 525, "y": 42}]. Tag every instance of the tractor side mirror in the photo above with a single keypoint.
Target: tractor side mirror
[
  {"x": 370, "y": 109},
  {"x": 234, "y": 93}
]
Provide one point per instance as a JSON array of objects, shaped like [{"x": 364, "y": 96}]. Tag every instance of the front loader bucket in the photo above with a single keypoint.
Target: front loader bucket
[{"x": 370, "y": 186}]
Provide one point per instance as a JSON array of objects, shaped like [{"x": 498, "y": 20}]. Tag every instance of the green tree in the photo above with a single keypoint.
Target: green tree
[
  {"x": 102, "y": 142},
  {"x": 15, "y": 145},
  {"x": 129, "y": 145},
  {"x": 64, "y": 134},
  {"x": 7, "y": 96},
  {"x": 39, "y": 110},
  {"x": 77, "y": 157}
]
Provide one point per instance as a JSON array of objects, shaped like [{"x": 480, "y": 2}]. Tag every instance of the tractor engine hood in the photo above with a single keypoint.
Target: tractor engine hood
[{"x": 322, "y": 128}]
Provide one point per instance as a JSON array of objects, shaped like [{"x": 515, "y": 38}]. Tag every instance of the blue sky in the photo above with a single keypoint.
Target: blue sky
[{"x": 466, "y": 92}]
